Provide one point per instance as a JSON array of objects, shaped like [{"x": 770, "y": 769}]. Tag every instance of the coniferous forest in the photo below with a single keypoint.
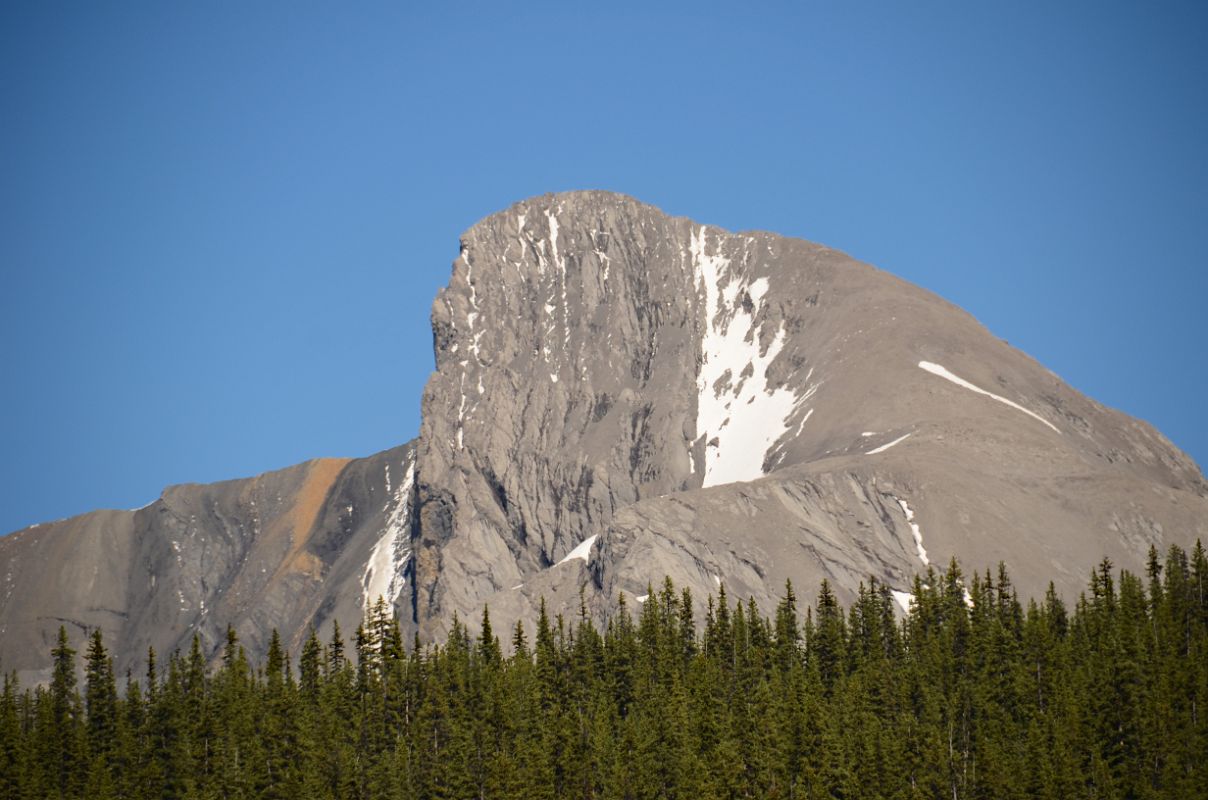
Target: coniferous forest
[{"x": 973, "y": 694}]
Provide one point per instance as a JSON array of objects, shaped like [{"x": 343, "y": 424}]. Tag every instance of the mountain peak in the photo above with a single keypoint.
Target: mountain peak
[
  {"x": 646, "y": 357},
  {"x": 621, "y": 395}
]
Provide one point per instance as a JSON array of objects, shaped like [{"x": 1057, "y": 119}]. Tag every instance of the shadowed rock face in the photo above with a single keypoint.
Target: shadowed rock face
[{"x": 621, "y": 395}]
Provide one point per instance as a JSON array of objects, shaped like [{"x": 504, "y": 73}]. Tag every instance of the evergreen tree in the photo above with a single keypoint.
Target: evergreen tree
[
  {"x": 973, "y": 694},
  {"x": 64, "y": 737},
  {"x": 100, "y": 701}
]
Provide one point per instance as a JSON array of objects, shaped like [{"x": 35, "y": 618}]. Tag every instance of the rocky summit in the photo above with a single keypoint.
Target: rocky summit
[{"x": 619, "y": 396}]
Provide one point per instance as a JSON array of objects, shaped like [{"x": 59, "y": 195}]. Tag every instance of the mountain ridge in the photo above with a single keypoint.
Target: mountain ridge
[{"x": 619, "y": 394}]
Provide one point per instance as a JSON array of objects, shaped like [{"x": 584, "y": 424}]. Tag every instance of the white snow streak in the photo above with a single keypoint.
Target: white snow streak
[
  {"x": 550, "y": 307},
  {"x": 742, "y": 414},
  {"x": 475, "y": 347},
  {"x": 560, "y": 263},
  {"x": 582, "y": 550},
  {"x": 605, "y": 261},
  {"x": 553, "y": 236},
  {"x": 914, "y": 528},
  {"x": 472, "y": 316},
  {"x": 885, "y": 447},
  {"x": 461, "y": 407},
  {"x": 808, "y": 414},
  {"x": 383, "y": 576},
  {"x": 940, "y": 370}
]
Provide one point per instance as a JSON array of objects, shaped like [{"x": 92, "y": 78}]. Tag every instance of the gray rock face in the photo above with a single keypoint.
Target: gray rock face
[
  {"x": 621, "y": 395},
  {"x": 303, "y": 546},
  {"x": 747, "y": 408},
  {"x": 564, "y": 390}
]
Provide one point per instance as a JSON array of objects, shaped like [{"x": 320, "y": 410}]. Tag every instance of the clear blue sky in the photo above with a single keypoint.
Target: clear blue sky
[{"x": 222, "y": 226}]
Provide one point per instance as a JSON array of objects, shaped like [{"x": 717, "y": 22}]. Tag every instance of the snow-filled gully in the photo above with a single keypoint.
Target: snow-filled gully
[
  {"x": 383, "y": 576},
  {"x": 904, "y": 599},
  {"x": 740, "y": 417}
]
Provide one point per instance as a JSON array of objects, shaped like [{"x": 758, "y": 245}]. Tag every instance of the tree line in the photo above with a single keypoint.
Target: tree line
[{"x": 972, "y": 694}]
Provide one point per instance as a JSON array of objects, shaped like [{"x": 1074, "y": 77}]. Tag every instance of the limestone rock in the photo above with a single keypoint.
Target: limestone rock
[{"x": 620, "y": 396}]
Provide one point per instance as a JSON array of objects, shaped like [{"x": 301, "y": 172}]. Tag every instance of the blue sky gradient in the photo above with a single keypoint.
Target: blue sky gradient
[{"x": 222, "y": 226}]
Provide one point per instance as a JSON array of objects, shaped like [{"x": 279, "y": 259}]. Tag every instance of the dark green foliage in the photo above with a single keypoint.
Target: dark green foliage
[{"x": 972, "y": 695}]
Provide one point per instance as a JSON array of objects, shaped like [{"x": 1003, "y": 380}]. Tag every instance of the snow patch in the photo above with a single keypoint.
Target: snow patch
[
  {"x": 553, "y": 236},
  {"x": 475, "y": 346},
  {"x": 914, "y": 528},
  {"x": 642, "y": 598},
  {"x": 904, "y": 599},
  {"x": 941, "y": 371},
  {"x": 603, "y": 258},
  {"x": 560, "y": 263},
  {"x": 744, "y": 416},
  {"x": 885, "y": 447},
  {"x": 808, "y": 414},
  {"x": 582, "y": 550},
  {"x": 472, "y": 316},
  {"x": 383, "y": 576}
]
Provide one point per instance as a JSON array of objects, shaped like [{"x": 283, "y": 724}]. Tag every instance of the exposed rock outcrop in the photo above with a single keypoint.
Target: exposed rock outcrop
[
  {"x": 747, "y": 408},
  {"x": 621, "y": 395}
]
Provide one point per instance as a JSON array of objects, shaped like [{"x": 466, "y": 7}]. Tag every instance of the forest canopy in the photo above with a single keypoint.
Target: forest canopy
[{"x": 972, "y": 694}]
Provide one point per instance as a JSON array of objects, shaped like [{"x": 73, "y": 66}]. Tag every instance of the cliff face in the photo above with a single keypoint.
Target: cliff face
[
  {"x": 746, "y": 408},
  {"x": 621, "y": 395}
]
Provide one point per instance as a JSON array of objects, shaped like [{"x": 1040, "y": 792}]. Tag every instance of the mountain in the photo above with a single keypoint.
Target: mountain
[
  {"x": 621, "y": 395},
  {"x": 283, "y": 550}
]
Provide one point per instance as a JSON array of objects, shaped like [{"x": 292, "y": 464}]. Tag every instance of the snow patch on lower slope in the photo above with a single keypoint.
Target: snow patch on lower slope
[
  {"x": 582, "y": 550},
  {"x": 885, "y": 447},
  {"x": 914, "y": 529},
  {"x": 740, "y": 417},
  {"x": 941, "y": 371},
  {"x": 384, "y": 574},
  {"x": 904, "y": 599}
]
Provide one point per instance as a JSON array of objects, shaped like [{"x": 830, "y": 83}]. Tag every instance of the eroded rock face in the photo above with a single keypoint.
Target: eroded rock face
[
  {"x": 565, "y": 382},
  {"x": 620, "y": 396},
  {"x": 291, "y": 549},
  {"x": 747, "y": 408}
]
